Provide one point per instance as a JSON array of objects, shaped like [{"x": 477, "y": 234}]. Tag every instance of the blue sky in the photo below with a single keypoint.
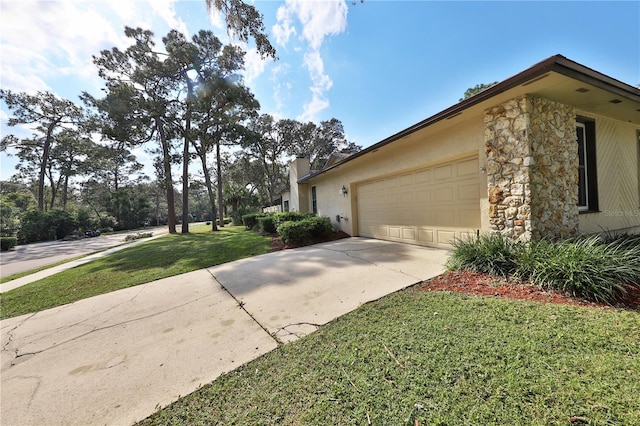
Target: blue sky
[{"x": 378, "y": 66}]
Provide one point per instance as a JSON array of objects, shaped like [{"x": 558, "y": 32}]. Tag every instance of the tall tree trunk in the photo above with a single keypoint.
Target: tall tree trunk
[
  {"x": 185, "y": 159},
  {"x": 65, "y": 189},
  {"x": 54, "y": 188},
  {"x": 43, "y": 166},
  {"x": 219, "y": 173},
  {"x": 166, "y": 160},
  {"x": 212, "y": 197}
]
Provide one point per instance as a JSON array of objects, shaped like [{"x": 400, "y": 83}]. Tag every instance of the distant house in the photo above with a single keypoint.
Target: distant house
[{"x": 551, "y": 152}]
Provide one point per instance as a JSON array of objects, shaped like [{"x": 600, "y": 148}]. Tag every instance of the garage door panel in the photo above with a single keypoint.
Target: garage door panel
[
  {"x": 469, "y": 216},
  {"x": 422, "y": 177},
  {"x": 443, "y": 172},
  {"x": 429, "y": 206},
  {"x": 468, "y": 191},
  {"x": 395, "y": 232},
  {"x": 445, "y": 237},
  {"x": 443, "y": 194},
  {"x": 468, "y": 167},
  {"x": 425, "y": 236},
  {"x": 423, "y": 196},
  {"x": 409, "y": 234},
  {"x": 405, "y": 180}
]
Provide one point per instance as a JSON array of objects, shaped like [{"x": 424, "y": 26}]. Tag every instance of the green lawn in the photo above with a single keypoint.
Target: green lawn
[
  {"x": 437, "y": 358},
  {"x": 160, "y": 258}
]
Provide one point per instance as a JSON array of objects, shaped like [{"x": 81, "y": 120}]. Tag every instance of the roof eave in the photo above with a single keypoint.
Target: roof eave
[{"x": 556, "y": 63}]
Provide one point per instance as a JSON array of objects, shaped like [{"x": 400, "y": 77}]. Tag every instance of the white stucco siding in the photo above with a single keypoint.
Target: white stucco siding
[
  {"x": 425, "y": 148},
  {"x": 617, "y": 172}
]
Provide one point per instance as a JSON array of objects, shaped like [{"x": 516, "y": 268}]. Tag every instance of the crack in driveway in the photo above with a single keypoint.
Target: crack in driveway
[{"x": 94, "y": 330}]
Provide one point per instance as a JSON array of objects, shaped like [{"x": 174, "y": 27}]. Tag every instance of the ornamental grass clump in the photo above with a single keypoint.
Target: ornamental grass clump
[
  {"x": 584, "y": 268},
  {"x": 589, "y": 268},
  {"x": 489, "y": 253}
]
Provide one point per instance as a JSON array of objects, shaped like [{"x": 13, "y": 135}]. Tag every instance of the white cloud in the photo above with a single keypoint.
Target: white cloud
[
  {"x": 283, "y": 30},
  {"x": 319, "y": 20},
  {"x": 254, "y": 65},
  {"x": 281, "y": 85},
  {"x": 44, "y": 41}
]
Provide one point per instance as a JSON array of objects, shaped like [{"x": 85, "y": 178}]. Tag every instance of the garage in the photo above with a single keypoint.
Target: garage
[{"x": 430, "y": 206}]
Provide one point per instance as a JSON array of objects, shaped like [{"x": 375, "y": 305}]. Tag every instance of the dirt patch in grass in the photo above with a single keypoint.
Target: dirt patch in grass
[
  {"x": 481, "y": 284},
  {"x": 278, "y": 244}
]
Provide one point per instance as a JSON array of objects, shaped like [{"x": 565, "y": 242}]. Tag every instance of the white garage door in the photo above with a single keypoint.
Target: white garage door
[{"x": 429, "y": 207}]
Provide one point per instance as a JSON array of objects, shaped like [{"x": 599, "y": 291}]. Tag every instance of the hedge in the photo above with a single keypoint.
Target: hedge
[
  {"x": 283, "y": 217},
  {"x": 251, "y": 220},
  {"x": 267, "y": 224},
  {"x": 305, "y": 230}
]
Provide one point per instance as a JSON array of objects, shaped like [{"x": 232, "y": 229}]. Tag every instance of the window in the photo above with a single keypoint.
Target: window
[
  {"x": 286, "y": 205},
  {"x": 314, "y": 200},
  {"x": 587, "y": 178}
]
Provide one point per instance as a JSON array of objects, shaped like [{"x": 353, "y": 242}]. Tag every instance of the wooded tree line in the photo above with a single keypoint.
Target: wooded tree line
[{"x": 185, "y": 104}]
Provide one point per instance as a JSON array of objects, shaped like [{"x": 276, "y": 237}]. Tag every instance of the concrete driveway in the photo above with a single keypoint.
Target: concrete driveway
[{"x": 115, "y": 358}]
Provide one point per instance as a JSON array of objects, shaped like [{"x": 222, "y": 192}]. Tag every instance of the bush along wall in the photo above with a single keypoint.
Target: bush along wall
[
  {"x": 305, "y": 230},
  {"x": 267, "y": 224},
  {"x": 251, "y": 220}
]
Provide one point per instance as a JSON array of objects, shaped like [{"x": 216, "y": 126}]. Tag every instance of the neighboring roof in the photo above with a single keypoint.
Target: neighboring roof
[
  {"x": 557, "y": 64},
  {"x": 336, "y": 157}
]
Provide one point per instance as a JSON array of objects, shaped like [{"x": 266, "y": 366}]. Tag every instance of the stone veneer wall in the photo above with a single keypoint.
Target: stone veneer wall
[{"x": 532, "y": 166}]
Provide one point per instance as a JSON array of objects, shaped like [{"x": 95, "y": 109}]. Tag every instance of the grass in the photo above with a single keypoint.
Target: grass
[
  {"x": 437, "y": 358},
  {"x": 160, "y": 258},
  {"x": 42, "y": 268}
]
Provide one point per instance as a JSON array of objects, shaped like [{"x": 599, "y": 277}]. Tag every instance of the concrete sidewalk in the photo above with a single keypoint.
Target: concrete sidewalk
[{"x": 114, "y": 358}]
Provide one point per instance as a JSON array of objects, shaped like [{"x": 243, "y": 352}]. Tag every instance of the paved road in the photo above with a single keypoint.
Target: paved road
[{"x": 31, "y": 256}]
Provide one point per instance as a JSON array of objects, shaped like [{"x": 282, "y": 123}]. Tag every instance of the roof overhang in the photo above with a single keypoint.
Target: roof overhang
[{"x": 556, "y": 78}]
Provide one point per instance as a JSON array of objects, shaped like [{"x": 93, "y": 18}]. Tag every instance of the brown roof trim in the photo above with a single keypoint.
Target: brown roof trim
[{"x": 556, "y": 63}]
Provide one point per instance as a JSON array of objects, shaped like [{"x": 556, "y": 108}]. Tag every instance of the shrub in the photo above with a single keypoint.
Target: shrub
[
  {"x": 36, "y": 225},
  {"x": 283, "y": 217},
  {"x": 251, "y": 220},
  {"x": 305, "y": 230},
  {"x": 267, "y": 224},
  {"x": 592, "y": 268},
  {"x": 138, "y": 235},
  {"x": 585, "y": 268},
  {"x": 60, "y": 223},
  {"x": 9, "y": 222},
  {"x": 489, "y": 253},
  {"x": 7, "y": 243}
]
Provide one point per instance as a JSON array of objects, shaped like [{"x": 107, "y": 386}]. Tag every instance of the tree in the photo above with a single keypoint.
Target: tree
[
  {"x": 222, "y": 104},
  {"x": 9, "y": 222},
  {"x": 140, "y": 100},
  {"x": 48, "y": 113},
  {"x": 245, "y": 21},
  {"x": 268, "y": 143},
  {"x": 70, "y": 157},
  {"x": 318, "y": 142},
  {"x": 477, "y": 89}
]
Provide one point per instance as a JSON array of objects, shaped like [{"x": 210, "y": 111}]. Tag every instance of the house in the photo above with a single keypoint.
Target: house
[{"x": 551, "y": 152}]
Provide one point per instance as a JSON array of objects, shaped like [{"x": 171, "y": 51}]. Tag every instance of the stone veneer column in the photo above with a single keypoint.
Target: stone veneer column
[{"x": 532, "y": 169}]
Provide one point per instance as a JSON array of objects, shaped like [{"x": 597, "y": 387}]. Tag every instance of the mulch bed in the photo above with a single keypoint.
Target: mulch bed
[{"x": 481, "y": 284}]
